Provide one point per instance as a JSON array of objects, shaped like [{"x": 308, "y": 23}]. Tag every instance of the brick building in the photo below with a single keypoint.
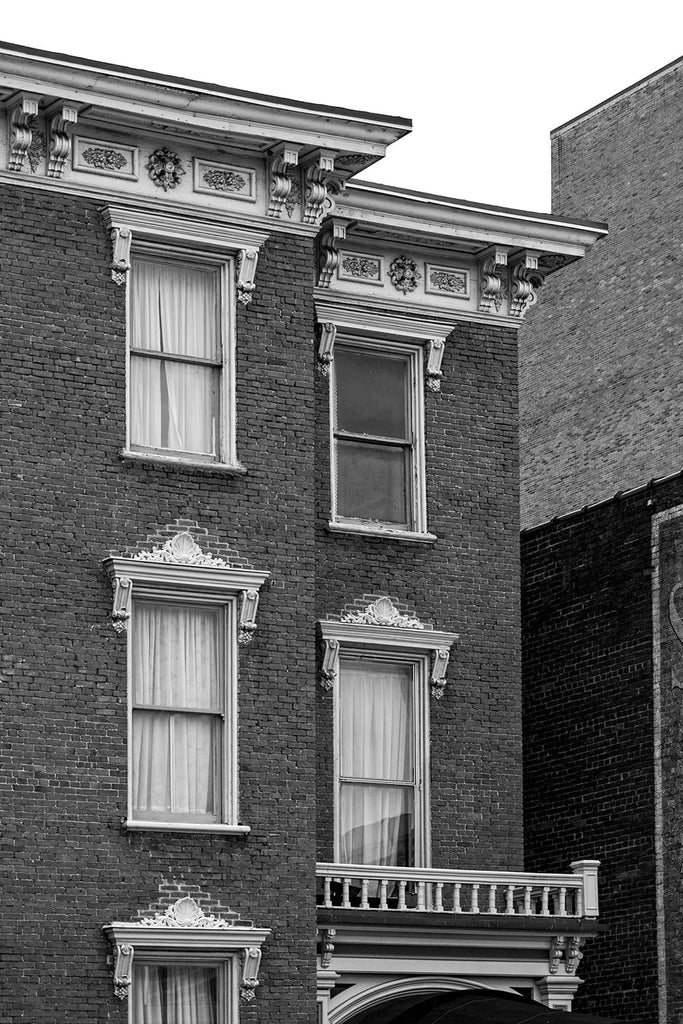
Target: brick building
[
  {"x": 600, "y": 376},
  {"x": 262, "y": 752}
]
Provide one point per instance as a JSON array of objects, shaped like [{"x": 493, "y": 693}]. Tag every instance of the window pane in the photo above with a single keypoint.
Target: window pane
[
  {"x": 372, "y": 393},
  {"x": 174, "y": 308},
  {"x": 174, "y": 405},
  {"x": 177, "y": 655},
  {"x": 377, "y": 726},
  {"x": 371, "y": 482},
  {"x": 182, "y": 994},
  {"x": 377, "y": 825}
]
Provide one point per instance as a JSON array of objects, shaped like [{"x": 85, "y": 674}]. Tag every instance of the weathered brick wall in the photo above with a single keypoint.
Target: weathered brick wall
[
  {"x": 467, "y": 583},
  {"x": 599, "y": 366},
  {"x": 69, "y": 866},
  {"x": 588, "y": 731}
]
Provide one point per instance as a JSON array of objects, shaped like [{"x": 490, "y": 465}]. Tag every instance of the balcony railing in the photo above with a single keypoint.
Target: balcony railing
[{"x": 430, "y": 890}]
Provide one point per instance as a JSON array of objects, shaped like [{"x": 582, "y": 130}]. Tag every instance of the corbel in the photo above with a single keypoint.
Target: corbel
[
  {"x": 247, "y": 627},
  {"x": 282, "y": 158},
  {"x": 334, "y": 231},
  {"x": 61, "y": 118},
  {"x": 319, "y": 184},
  {"x": 327, "y": 948},
  {"x": 433, "y": 371},
  {"x": 437, "y": 680},
  {"x": 526, "y": 280},
  {"x": 328, "y": 332},
  {"x": 557, "y": 948},
  {"x": 251, "y": 961},
  {"x": 20, "y": 116},
  {"x": 573, "y": 956},
  {"x": 330, "y": 666},
  {"x": 120, "y": 263},
  {"x": 246, "y": 272},
  {"x": 123, "y": 970},
  {"x": 123, "y": 592},
  {"x": 493, "y": 260}
]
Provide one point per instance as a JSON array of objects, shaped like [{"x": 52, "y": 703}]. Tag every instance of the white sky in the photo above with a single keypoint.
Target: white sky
[{"x": 484, "y": 82}]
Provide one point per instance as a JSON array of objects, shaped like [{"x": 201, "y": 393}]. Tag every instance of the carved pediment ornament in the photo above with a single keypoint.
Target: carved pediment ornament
[
  {"x": 21, "y": 121},
  {"x": 382, "y": 612},
  {"x": 181, "y": 549},
  {"x": 229, "y": 934},
  {"x": 283, "y": 158}
]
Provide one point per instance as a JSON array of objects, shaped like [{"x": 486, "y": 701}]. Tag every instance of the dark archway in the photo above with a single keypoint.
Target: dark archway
[{"x": 470, "y": 1008}]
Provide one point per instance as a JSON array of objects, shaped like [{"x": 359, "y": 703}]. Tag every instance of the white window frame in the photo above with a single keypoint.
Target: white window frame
[
  {"x": 227, "y": 995},
  {"x": 143, "y": 229},
  {"x": 415, "y": 476},
  {"x": 382, "y": 632},
  {"x": 420, "y": 667},
  {"x": 236, "y": 591},
  {"x": 226, "y": 447}
]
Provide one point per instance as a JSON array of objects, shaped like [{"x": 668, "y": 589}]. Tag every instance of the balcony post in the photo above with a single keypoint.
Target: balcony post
[
  {"x": 557, "y": 991},
  {"x": 588, "y": 869}
]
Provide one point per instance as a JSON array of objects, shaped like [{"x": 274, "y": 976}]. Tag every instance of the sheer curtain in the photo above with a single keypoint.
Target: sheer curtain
[
  {"x": 377, "y": 742},
  {"x": 174, "y": 404},
  {"x": 176, "y": 757},
  {"x": 175, "y": 995}
]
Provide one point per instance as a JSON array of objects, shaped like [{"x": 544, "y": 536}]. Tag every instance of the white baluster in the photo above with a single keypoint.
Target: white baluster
[
  {"x": 544, "y": 901},
  {"x": 327, "y": 892},
  {"x": 421, "y": 905},
  {"x": 579, "y": 902},
  {"x": 364, "y": 905},
  {"x": 457, "y": 909},
  {"x": 383, "y": 905},
  {"x": 439, "y": 897},
  {"x": 474, "y": 908},
  {"x": 402, "y": 894},
  {"x": 527, "y": 900},
  {"x": 509, "y": 900},
  {"x": 346, "y": 903},
  {"x": 563, "y": 901}
]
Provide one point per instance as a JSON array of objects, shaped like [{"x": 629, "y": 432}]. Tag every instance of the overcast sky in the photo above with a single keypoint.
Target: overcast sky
[{"x": 484, "y": 82}]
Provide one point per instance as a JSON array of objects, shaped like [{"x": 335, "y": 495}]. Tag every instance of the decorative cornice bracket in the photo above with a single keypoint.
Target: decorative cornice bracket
[
  {"x": 327, "y": 948},
  {"x": 282, "y": 158},
  {"x": 433, "y": 372},
  {"x": 491, "y": 262},
  {"x": 557, "y": 948},
  {"x": 328, "y": 333},
  {"x": 123, "y": 969},
  {"x": 123, "y": 593},
  {"x": 526, "y": 280},
  {"x": 330, "y": 666},
  {"x": 574, "y": 956},
  {"x": 20, "y": 115},
  {"x": 121, "y": 239},
  {"x": 251, "y": 961},
  {"x": 319, "y": 185},
  {"x": 247, "y": 261},
  {"x": 333, "y": 232},
  {"x": 437, "y": 679},
  {"x": 250, "y": 599},
  {"x": 61, "y": 118}
]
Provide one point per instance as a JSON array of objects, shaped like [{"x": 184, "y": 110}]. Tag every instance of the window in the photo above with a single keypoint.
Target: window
[
  {"x": 377, "y": 450},
  {"x": 382, "y": 719},
  {"x": 382, "y": 665},
  {"x": 180, "y": 401},
  {"x": 184, "y": 613},
  {"x": 181, "y": 993}
]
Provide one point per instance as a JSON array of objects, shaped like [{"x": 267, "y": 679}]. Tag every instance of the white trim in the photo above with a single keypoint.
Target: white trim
[
  {"x": 346, "y": 1007},
  {"x": 225, "y": 468},
  {"x": 396, "y": 638},
  {"x": 380, "y": 530},
  {"x": 192, "y": 229},
  {"x": 179, "y": 826}
]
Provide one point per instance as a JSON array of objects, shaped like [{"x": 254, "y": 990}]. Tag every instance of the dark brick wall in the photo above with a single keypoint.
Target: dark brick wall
[
  {"x": 600, "y": 367},
  {"x": 68, "y": 864},
  {"x": 467, "y": 583},
  {"x": 589, "y": 733}
]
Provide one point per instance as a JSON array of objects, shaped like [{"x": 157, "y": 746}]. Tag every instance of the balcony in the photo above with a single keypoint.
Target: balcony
[{"x": 508, "y": 894}]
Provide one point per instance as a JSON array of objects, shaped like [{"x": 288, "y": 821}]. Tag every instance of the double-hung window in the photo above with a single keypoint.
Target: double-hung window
[
  {"x": 180, "y": 328},
  {"x": 184, "y": 613},
  {"x": 382, "y": 728},
  {"x": 191, "y": 992},
  {"x": 377, "y": 437}
]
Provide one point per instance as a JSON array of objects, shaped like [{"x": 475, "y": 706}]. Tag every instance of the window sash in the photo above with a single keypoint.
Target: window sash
[{"x": 163, "y": 991}]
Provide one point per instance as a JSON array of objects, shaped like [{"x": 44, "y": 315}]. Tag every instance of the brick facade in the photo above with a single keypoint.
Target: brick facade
[{"x": 598, "y": 371}]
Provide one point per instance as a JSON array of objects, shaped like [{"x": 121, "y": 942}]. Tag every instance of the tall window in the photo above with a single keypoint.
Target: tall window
[
  {"x": 179, "y": 682},
  {"x": 177, "y": 358},
  {"x": 184, "y": 993},
  {"x": 381, "y": 725},
  {"x": 377, "y": 417}
]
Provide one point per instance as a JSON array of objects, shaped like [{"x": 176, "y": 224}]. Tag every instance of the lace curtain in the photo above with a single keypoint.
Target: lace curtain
[{"x": 175, "y": 995}]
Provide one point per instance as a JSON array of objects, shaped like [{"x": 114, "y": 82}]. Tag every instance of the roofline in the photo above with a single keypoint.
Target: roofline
[
  {"x": 464, "y": 204},
  {"x": 656, "y": 481},
  {"x": 174, "y": 81},
  {"x": 616, "y": 96}
]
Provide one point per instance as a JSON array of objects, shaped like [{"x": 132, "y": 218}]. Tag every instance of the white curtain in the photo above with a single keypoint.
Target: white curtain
[
  {"x": 174, "y": 405},
  {"x": 176, "y": 757},
  {"x": 174, "y": 995},
  {"x": 377, "y": 742}
]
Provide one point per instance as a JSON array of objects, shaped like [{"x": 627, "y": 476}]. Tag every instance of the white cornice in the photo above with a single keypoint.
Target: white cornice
[
  {"x": 183, "y": 225},
  {"x": 205, "y": 939},
  {"x": 395, "y": 637},
  {"x": 396, "y": 317},
  {"x": 382, "y": 211},
  {"x": 185, "y": 577}
]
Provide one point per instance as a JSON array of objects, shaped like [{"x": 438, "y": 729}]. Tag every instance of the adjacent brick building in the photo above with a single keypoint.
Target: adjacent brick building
[
  {"x": 600, "y": 376},
  {"x": 274, "y": 413}
]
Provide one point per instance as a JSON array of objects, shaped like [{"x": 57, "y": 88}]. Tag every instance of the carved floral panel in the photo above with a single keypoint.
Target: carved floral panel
[
  {"x": 359, "y": 266},
  {"x": 114, "y": 159},
  {"x": 452, "y": 282},
  {"x": 224, "y": 181}
]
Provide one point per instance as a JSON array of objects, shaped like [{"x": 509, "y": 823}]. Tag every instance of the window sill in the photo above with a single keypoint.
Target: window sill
[
  {"x": 382, "y": 531},
  {"x": 222, "y": 468},
  {"x": 183, "y": 826}
]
